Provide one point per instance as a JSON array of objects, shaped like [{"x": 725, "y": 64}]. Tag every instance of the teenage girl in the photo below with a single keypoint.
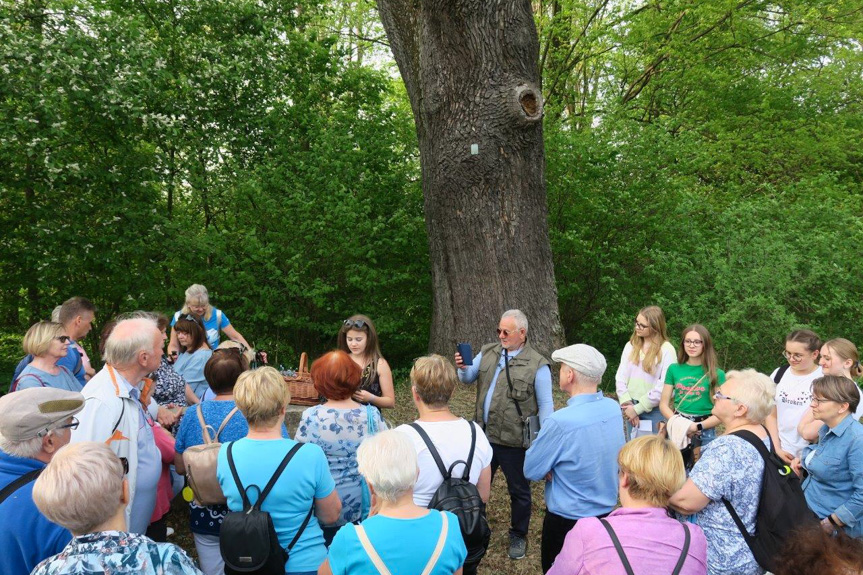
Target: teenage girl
[
  {"x": 838, "y": 357},
  {"x": 691, "y": 382},
  {"x": 793, "y": 392},
  {"x": 640, "y": 377},
  {"x": 358, "y": 337}
]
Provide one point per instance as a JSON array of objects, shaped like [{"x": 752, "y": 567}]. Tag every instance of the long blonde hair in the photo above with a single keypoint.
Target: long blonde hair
[
  {"x": 846, "y": 350},
  {"x": 656, "y": 320}
]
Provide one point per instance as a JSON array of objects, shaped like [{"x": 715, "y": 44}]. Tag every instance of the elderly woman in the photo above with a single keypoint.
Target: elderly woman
[
  {"x": 730, "y": 468},
  {"x": 338, "y": 426},
  {"x": 224, "y": 423},
  {"x": 651, "y": 470},
  {"x": 198, "y": 304},
  {"x": 834, "y": 487},
  {"x": 47, "y": 342},
  {"x": 433, "y": 380},
  {"x": 85, "y": 489},
  {"x": 263, "y": 397},
  {"x": 403, "y": 536},
  {"x": 194, "y": 354}
]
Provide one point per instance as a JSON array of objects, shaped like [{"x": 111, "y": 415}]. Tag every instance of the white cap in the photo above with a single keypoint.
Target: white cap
[{"x": 582, "y": 358}]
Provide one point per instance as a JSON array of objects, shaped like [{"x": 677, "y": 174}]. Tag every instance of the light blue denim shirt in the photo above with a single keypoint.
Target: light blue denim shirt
[
  {"x": 835, "y": 482},
  {"x": 579, "y": 445},
  {"x": 542, "y": 385}
]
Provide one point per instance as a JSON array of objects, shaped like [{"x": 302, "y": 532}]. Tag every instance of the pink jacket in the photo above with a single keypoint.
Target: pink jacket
[{"x": 164, "y": 491}]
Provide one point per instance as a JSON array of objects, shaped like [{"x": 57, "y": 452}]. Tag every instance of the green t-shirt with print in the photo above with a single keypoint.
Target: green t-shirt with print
[{"x": 691, "y": 388}]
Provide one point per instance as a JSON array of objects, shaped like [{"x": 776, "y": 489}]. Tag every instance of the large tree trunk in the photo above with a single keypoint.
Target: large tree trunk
[{"x": 471, "y": 72}]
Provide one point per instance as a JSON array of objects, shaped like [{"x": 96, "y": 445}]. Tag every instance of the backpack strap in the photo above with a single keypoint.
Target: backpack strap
[
  {"x": 379, "y": 563},
  {"x": 779, "y": 373},
  {"x": 225, "y": 421},
  {"x": 755, "y": 442},
  {"x": 19, "y": 483},
  {"x": 466, "y": 474},
  {"x": 434, "y": 453},
  {"x": 276, "y": 475},
  {"x": 619, "y": 547},
  {"x": 205, "y": 433},
  {"x": 684, "y": 552}
]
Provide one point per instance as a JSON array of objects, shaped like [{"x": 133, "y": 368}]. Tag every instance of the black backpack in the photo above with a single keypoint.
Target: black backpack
[
  {"x": 782, "y": 507},
  {"x": 461, "y": 498},
  {"x": 248, "y": 540}
]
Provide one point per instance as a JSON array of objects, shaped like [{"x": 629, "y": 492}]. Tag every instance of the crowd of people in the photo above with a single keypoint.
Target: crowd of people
[{"x": 664, "y": 478}]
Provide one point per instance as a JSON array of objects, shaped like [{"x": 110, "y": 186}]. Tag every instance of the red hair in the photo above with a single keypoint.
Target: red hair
[{"x": 335, "y": 375}]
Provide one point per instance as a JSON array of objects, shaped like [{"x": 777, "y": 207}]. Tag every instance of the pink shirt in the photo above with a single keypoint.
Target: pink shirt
[
  {"x": 650, "y": 538},
  {"x": 164, "y": 491}
]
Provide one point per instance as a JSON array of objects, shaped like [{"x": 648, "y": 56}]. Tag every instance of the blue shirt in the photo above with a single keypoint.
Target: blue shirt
[
  {"x": 190, "y": 366},
  {"x": 732, "y": 468},
  {"x": 149, "y": 469},
  {"x": 217, "y": 322},
  {"x": 26, "y": 536},
  {"x": 118, "y": 552},
  {"x": 404, "y": 545},
  {"x": 542, "y": 384},
  {"x": 34, "y": 377},
  {"x": 579, "y": 445},
  {"x": 74, "y": 363},
  {"x": 835, "y": 482},
  {"x": 306, "y": 478}
]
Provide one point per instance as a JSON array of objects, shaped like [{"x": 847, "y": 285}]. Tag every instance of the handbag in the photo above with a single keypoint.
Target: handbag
[{"x": 529, "y": 424}]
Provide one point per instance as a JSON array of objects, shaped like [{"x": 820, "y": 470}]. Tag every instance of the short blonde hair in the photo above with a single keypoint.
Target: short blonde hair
[
  {"x": 261, "y": 395},
  {"x": 434, "y": 379},
  {"x": 388, "y": 461},
  {"x": 654, "y": 468},
  {"x": 81, "y": 487},
  {"x": 756, "y": 391},
  {"x": 198, "y": 294},
  {"x": 39, "y": 336}
]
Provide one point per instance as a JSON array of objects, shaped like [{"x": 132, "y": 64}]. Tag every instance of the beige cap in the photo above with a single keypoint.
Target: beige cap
[
  {"x": 583, "y": 359},
  {"x": 32, "y": 412}
]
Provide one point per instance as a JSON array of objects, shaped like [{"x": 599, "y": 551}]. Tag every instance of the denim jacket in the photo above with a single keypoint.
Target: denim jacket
[{"x": 835, "y": 482}]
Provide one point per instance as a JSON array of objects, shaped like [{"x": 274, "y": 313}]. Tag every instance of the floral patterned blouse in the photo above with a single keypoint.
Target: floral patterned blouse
[
  {"x": 117, "y": 552},
  {"x": 339, "y": 433}
]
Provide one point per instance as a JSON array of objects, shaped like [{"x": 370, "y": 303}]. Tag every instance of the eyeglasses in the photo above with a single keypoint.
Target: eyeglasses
[
  {"x": 818, "y": 401},
  {"x": 238, "y": 350},
  {"x": 505, "y": 332},
  {"x": 354, "y": 323},
  {"x": 720, "y": 395},
  {"x": 692, "y": 342},
  {"x": 73, "y": 426},
  {"x": 190, "y": 317},
  {"x": 640, "y": 325},
  {"x": 793, "y": 356},
  {"x": 63, "y": 338},
  {"x": 125, "y": 463}
]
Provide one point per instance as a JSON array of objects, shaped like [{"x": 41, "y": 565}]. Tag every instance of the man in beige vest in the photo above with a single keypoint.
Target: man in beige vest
[{"x": 500, "y": 394}]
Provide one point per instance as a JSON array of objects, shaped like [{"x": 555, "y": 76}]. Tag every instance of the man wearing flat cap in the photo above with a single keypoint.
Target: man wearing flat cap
[
  {"x": 576, "y": 450},
  {"x": 34, "y": 424}
]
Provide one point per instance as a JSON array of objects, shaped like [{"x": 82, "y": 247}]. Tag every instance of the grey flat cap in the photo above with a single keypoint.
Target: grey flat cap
[
  {"x": 29, "y": 413},
  {"x": 583, "y": 359}
]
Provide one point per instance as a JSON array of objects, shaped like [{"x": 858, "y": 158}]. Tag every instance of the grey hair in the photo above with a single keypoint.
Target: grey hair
[
  {"x": 585, "y": 380},
  {"x": 55, "y": 314},
  {"x": 122, "y": 349},
  {"x": 518, "y": 316},
  {"x": 388, "y": 461},
  {"x": 26, "y": 449},
  {"x": 756, "y": 391},
  {"x": 81, "y": 487},
  {"x": 197, "y": 292}
]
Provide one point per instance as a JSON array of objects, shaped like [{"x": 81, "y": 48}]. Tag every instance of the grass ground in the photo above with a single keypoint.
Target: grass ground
[{"x": 496, "y": 560}]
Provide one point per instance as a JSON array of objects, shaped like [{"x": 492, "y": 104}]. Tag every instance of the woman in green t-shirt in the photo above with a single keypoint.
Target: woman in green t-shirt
[{"x": 691, "y": 383}]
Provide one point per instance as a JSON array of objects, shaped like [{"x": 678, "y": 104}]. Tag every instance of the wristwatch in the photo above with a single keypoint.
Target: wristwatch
[{"x": 700, "y": 427}]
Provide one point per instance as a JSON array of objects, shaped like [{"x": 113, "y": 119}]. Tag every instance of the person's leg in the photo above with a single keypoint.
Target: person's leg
[
  {"x": 511, "y": 461},
  {"x": 554, "y": 531},
  {"x": 158, "y": 530},
  {"x": 209, "y": 555}
]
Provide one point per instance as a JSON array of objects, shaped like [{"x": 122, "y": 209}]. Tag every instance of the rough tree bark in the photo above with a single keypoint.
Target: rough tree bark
[{"x": 471, "y": 72}]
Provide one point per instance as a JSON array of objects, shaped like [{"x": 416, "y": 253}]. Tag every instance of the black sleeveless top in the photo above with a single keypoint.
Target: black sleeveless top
[{"x": 370, "y": 383}]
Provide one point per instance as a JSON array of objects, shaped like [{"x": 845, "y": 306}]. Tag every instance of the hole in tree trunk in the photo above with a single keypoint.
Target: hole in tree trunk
[{"x": 529, "y": 102}]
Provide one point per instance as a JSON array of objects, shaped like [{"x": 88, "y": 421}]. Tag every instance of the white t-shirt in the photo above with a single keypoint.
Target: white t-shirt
[
  {"x": 452, "y": 441},
  {"x": 793, "y": 396}
]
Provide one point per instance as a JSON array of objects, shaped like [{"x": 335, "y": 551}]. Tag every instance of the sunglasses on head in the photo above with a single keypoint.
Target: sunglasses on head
[
  {"x": 354, "y": 323},
  {"x": 190, "y": 317}
]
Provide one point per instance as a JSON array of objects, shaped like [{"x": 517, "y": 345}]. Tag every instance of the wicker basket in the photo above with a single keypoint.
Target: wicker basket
[{"x": 302, "y": 389}]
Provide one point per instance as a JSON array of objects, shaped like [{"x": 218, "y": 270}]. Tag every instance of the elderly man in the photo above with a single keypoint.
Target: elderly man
[
  {"x": 576, "y": 450},
  {"x": 34, "y": 424},
  {"x": 115, "y": 415},
  {"x": 514, "y": 382}
]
